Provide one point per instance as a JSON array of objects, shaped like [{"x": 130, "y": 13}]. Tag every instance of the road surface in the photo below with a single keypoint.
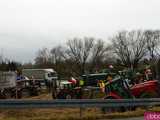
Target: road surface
[{"x": 131, "y": 118}]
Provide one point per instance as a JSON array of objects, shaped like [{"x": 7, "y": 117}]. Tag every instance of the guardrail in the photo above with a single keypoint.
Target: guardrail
[{"x": 81, "y": 103}]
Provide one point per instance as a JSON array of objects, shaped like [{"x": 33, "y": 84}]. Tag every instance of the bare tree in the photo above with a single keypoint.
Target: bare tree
[
  {"x": 57, "y": 59},
  {"x": 86, "y": 54},
  {"x": 57, "y": 54},
  {"x": 43, "y": 56},
  {"x": 99, "y": 54},
  {"x": 152, "y": 39},
  {"x": 130, "y": 47},
  {"x": 79, "y": 51}
]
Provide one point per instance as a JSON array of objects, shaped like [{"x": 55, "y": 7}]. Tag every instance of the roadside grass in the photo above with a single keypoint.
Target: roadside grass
[
  {"x": 67, "y": 114},
  {"x": 42, "y": 114},
  {"x": 43, "y": 96}
]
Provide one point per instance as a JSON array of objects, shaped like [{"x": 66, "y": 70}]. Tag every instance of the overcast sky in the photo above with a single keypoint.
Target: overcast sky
[{"x": 27, "y": 25}]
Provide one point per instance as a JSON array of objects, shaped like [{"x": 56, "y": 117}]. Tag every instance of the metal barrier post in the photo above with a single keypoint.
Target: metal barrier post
[
  {"x": 80, "y": 112},
  {"x": 16, "y": 91}
]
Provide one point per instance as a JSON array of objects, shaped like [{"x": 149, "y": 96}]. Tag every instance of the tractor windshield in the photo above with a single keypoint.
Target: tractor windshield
[{"x": 52, "y": 74}]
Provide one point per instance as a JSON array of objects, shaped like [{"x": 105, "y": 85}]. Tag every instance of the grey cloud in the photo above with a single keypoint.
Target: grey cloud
[{"x": 27, "y": 25}]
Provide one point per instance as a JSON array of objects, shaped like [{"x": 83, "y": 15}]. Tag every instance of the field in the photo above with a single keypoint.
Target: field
[{"x": 65, "y": 113}]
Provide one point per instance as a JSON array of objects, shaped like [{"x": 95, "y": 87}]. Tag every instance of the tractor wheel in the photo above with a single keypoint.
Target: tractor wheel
[
  {"x": 2, "y": 95},
  {"x": 7, "y": 94},
  {"x": 68, "y": 96},
  {"x": 54, "y": 95},
  {"x": 61, "y": 95},
  {"x": 25, "y": 93},
  {"x": 149, "y": 95},
  {"x": 34, "y": 91},
  {"x": 113, "y": 109}
]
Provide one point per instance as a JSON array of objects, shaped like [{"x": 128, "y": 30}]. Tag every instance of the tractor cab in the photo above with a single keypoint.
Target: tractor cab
[
  {"x": 93, "y": 79},
  {"x": 66, "y": 85}
]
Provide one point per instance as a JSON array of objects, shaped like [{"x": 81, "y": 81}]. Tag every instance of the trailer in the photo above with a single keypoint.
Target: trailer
[
  {"x": 11, "y": 88},
  {"x": 7, "y": 84}
]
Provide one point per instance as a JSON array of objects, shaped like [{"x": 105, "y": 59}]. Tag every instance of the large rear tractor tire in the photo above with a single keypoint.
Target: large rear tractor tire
[
  {"x": 149, "y": 95},
  {"x": 7, "y": 94},
  {"x": 112, "y": 109}
]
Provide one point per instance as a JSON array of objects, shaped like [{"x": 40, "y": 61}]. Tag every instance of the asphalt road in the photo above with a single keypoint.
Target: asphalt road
[
  {"x": 131, "y": 118},
  {"x": 136, "y": 118}
]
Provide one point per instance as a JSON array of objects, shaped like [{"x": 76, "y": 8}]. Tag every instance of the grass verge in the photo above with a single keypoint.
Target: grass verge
[{"x": 67, "y": 114}]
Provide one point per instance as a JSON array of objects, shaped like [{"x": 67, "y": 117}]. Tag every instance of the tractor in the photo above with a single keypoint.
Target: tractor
[
  {"x": 120, "y": 88},
  {"x": 67, "y": 90},
  {"x": 117, "y": 88},
  {"x": 124, "y": 85}
]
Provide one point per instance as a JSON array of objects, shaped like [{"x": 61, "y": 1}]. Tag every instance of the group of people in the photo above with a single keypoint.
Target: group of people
[
  {"x": 138, "y": 78},
  {"x": 144, "y": 76},
  {"x": 103, "y": 83}
]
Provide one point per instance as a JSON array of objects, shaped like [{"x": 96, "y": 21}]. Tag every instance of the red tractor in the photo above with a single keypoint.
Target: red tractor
[
  {"x": 67, "y": 90},
  {"x": 119, "y": 88},
  {"x": 119, "y": 85},
  {"x": 147, "y": 89}
]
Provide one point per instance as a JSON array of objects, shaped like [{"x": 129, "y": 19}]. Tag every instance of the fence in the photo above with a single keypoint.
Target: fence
[{"x": 78, "y": 103}]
